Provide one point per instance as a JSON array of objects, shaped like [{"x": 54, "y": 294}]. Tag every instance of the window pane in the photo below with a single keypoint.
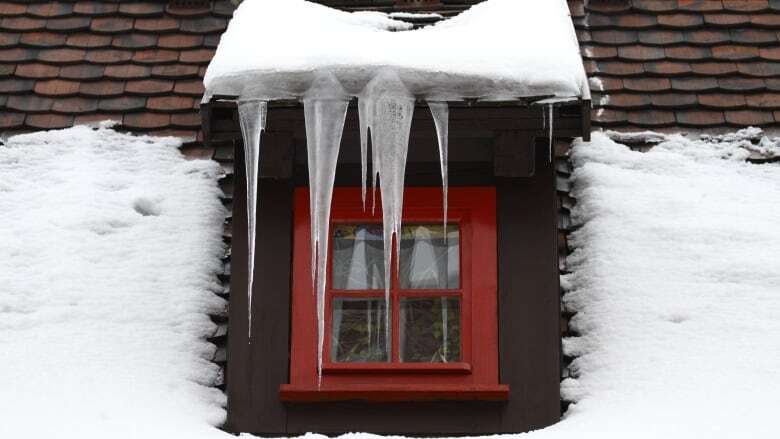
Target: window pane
[
  {"x": 358, "y": 261},
  {"x": 430, "y": 330},
  {"x": 358, "y": 331},
  {"x": 428, "y": 261}
]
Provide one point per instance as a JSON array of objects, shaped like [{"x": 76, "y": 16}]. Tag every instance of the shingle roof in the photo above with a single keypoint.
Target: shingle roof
[
  {"x": 140, "y": 63},
  {"x": 685, "y": 63}
]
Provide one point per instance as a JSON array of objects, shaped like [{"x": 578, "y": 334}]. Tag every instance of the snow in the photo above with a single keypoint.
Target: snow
[
  {"x": 415, "y": 15},
  {"x": 111, "y": 244},
  {"x": 499, "y": 49},
  {"x": 675, "y": 283},
  {"x": 110, "y": 248}
]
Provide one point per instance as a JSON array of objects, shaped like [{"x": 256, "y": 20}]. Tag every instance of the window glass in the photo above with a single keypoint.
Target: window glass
[
  {"x": 428, "y": 260},
  {"x": 358, "y": 261},
  {"x": 430, "y": 330},
  {"x": 358, "y": 333}
]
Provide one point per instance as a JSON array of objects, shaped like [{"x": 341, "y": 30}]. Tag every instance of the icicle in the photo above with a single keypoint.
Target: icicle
[
  {"x": 445, "y": 329},
  {"x": 252, "y": 117},
  {"x": 364, "y": 116},
  {"x": 441, "y": 117},
  {"x": 324, "y": 127},
  {"x": 550, "y": 135},
  {"x": 389, "y": 108}
]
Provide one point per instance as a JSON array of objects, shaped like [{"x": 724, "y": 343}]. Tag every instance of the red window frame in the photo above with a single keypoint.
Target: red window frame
[{"x": 474, "y": 377}]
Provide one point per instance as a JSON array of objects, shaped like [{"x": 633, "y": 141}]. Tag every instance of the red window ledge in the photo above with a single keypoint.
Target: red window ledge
[{"x": 393, "y": 393}]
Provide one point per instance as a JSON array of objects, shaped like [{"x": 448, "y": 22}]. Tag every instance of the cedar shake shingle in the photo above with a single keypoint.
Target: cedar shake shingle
[
  {"x": 700, "y": 118},
  {"x": 641, "y": 53},
  {"x": 147, "y": 120},
  {"x": 9, "y": 39},
  {"x": 49, "y": 121},
  {"x": 733, "y": 52},
  {"x": 43, "y": 39},
  {"x": 713, "y": 100},
  {"x": 763, "y": 100},
  {"x": 155, "y": 56},
  {"x": 741, "y": 84},
  {"x": 720, "y": 62},
  {"x": 619, "y": 68},
  {"x": 149, "y": 87},
  {"x": 82, "y": 72},
  {"x": 141, "y": 8},
  {"x": 22, "y": 23},
  {"x": 11, "y": 9},
  {"x": 49, "y": 9},
  {"x": 61, "y": 56},
  {"x": 749, "y": 117},
  {"x": 37, "y": 71},
  {"x": 86, "y": 41},
  {"x": 127, "y": 71},
  {"x": 10, "y": 120},
  {"x": 109, "y": 56},
  {"x": 15, "y": 85},
  {"x": 711, "y": 68},
  {"x": 97, "y": 58},
  {"x": 180, "y": 41},
  {"x": 745, "y": 6},
  {"x": 156, "y": 24},
  {"x": 170, "y": 103},
  {"x": 56, "y": 87},
  {"x": 680, "y": 21},
  {"x": 667, "y": 68},
  {"x": 111, "y": 25},
  {"x": 700, "y": 5},
  {"x": 74, "y": 105},
  {"x": 122, "y": 104},
  {"x": 134, "y": 41},
  {"x": 95, "y": 8},
  {"x": 198, "y": 56},
  {"x": 102, "y": 88},
  {"x": 68, "y": 24}
]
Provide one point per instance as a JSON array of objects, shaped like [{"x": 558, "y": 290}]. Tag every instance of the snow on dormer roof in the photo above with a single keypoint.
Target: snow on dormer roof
[{"x": 499, "y": 49}]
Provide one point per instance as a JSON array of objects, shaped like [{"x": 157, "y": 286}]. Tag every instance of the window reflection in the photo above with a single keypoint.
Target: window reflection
[
  {"x": 358, "y": 333},
  {"x": 430, "y": 330},
  {"x": 358, "y": 261},
  {"x": 428, "y": 260}
]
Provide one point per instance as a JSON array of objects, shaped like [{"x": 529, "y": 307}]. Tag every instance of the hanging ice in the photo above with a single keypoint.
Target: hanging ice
[
  {"x": 325, "y": 110},
  {"x": 550, "y": 134},
  {"x": 252, "y": 117},
  {"x": 441, "y": 117},
  {"x": 387, "y": 111},
  {"x": 364, "y": 116}
]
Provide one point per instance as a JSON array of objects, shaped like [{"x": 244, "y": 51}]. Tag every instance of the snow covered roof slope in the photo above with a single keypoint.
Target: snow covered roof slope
[
  {"x": 675, "y": 284},
  {"x": 499, "y": 49},
  {"x": 111, "y": 244}
]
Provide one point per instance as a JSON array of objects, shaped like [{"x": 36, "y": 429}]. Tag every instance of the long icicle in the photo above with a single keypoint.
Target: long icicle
[
  {"x": 441, "y": 118},
  {"x": 324, "y": 127},
  {"x": 364, "y": 117},
  {"x": 550, "y": 135},
  {"x": 252, "y": 118},
  {"x": 392, "y": 109}
]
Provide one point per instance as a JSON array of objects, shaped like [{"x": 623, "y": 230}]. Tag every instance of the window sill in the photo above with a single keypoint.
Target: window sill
[
  {"x": 393, "y": 393},
  {"x": 397, "y": 368}
]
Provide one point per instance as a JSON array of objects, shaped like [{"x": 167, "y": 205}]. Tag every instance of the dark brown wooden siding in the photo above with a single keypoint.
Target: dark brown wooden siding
[{"x": 529, "y": 307}]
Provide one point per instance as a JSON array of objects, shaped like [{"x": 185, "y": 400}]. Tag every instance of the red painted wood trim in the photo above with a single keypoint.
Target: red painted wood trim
[
  {"x": 394, "y": 393},
  {"x": 418, "y": 368},
  {"x": 474, "y": 208}
]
